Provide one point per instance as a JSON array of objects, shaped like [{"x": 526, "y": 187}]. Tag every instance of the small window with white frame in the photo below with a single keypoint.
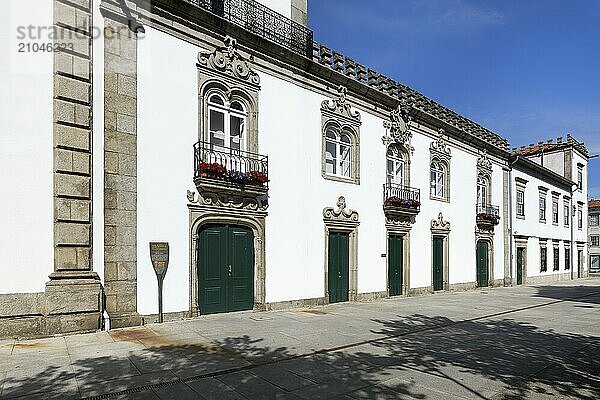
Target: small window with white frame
[
  {"x": 543, "y": 208},
  {"x": 555, "y": 212},
  {"x": 396, "y": 166},
  {"x": 566, "y": 211},
  {"x": 579, "y": 177},
  {"x": 338, "y": 151},
  {"x": 594, "y": 240},
  {"x": 438, "y": 176},
  {"x": 521, "y": 203},
  {"x": 594, "y": 219},
  {"x": 579, "y": 217}
]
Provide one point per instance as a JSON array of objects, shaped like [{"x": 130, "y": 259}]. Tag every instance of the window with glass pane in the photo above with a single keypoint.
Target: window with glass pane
[
  {"x": 330, "y": 152},
  {"x": 594, "y": 219},
  {"x": 567, "y": 258},
  {"x": 555, "y": 212},
  {"x": 556, "y": 260},
  {"x": 482, "y": 190},
  {"x": 338, "y": 153},
  {"x": 542, "y": 209},
  {"x": 580, "y": 219},
  {"x": 543, "y": 259},
  {"x": 345, "y": 155},
  {"x": 438, "y": 176},
  {"x": 595, "y": 262},
  {"x": 579, "y": 179},
  {"x": 595, "y": 240},
  {"x": 566, "y": 211},
  {"x": 521, "y": 203},
  {"x": 395, "y": 166},
  {"x": 226, "y": 123}
]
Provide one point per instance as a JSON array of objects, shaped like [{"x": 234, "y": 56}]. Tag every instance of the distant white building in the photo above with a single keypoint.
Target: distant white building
[
  {"x": 281, "y": 173},
  {"x": 594, "y": 234}
]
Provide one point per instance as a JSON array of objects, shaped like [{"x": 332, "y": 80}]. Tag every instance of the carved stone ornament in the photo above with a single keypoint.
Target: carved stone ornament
[
  {"x": 483, "y": 162},
  {"x": 229, "y": 61},
  {"x": 341, "y": 214},
  {"x": 395, "y": 222},
  {"x": 440, "y": 146},
  {"x": 398, "y": 127},
  {"x": 340, "y": 107},
  {"x": 228, "y": 200},
  {"x": 440, "y": 224}
]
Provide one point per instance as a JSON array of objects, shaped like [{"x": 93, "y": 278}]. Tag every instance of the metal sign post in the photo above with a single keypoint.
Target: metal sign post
[{"x": 159, "y": 255}]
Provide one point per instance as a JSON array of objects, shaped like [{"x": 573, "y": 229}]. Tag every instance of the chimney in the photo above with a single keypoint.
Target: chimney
[
  {"x": 559, "y": 140},
  {"x": 300, "y": 12}
]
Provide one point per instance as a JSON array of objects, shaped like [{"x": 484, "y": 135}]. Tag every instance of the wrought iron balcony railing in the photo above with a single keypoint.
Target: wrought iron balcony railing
[
  {"x": 230, "y": 165},
  {"x": 488, "y": 209},
  {"x": 262, "y": 21},
  {"x": 401, "y": 196},
  {"x": 488, "y": 214}
]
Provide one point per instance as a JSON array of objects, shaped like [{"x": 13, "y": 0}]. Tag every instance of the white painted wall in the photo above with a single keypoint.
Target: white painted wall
[
  {"x": 26, "y": 203},
  {"x": 283, "y": 7},
  {"x": 534, "y": 229},
  {"x": 167, "y": 130}
]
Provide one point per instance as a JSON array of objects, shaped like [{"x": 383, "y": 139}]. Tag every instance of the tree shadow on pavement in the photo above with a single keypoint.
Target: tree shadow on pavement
[
  {"x": 582, "y": 294},
  {"x": 420, "y": 357}
]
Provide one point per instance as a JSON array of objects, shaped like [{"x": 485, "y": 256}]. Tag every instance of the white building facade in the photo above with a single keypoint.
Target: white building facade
[{"x": 281, "y": 173}]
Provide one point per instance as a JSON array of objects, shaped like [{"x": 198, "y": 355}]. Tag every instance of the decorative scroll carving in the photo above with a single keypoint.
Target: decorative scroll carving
[
  {"x": 398, "y": 127},
  {"x": 229, "y": 61},
  {"x": 229, "y": 200},
  {"x": 398, "y": 222},
  {"x": 440, "y": 224},
  {"x": 340, "y": 107},
  {"x": 484, "y": 164},
  {"x": 440, "y": 146},
  {"x": 330, "y": 214}
]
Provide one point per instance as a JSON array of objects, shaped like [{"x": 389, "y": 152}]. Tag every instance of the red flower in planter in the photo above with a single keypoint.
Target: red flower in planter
[
  {"x": 211, "y": 170},
  {"x": 398, "y": 202},
  {"x": 258, "y": 178},
  {"x": 488, "y": 217}
]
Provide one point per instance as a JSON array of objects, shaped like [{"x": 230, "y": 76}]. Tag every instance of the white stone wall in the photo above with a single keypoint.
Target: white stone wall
[
  {"x": 534, "y": 229},
  {"x": 283, "y": 7},
  {"x": 290, "y": 134},
  {"x": 167, "y": 130},
  {"x": 26, "y": 160}
]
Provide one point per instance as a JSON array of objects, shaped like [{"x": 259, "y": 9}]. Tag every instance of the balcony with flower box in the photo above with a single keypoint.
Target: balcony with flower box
[
  {"x": 488, "y": 216},
  {"x": 220, "y": 169},
  {"x": 401, "y": 203}
]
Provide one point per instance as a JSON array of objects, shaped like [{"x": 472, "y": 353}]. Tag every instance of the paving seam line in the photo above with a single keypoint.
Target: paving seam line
[{"x": 328, "y": 350}]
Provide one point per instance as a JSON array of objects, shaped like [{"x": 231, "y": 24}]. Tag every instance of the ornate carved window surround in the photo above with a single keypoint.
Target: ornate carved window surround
[
  {"x": 439, "y": 163},
  {"x": 338, "y": 115},
  {"x": 347, "y": 221}
]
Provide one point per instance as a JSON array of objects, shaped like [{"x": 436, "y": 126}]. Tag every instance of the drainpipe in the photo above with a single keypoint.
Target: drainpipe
[
  {"x": 510, "y": 219},
  {"x": 572, "y": 249}
]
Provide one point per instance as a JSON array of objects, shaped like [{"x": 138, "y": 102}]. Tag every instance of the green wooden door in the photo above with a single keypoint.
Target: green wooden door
[
  {"x": 520, "y": 252},
  {"x": 438, "y": 263},
  {"x": 482, "y": 263},
  {"x": 338, "y": 267},
  {"x": 395, "y": 262},
  {"x": 225, "y": 269}
]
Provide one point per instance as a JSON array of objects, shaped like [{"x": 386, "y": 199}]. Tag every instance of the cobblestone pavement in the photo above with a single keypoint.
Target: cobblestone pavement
[{"x": 538, "y": 342}]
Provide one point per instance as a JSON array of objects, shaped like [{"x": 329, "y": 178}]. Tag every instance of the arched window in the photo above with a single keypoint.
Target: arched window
[
  {"x": 438, "y": 179},
  {"x": 338, "y": 151},
  {"x": 227, "y": 123},
  {"x": 395, "y": 166},
  {"x": 482, "y": 190}
]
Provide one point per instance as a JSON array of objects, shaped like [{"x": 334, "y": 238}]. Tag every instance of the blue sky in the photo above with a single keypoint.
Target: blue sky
[{"x": 528, "y": 70}]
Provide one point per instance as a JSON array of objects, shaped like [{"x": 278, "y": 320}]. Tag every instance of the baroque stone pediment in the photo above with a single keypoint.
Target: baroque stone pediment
[
  {"x": 340, "y": 107},
  {"x": 484, "y": 164},
  {"x": 340, "y": 214},
  {"x": 440, "y": 224},
  {"x": 228, "y": 200},
  {"x": 228, "y": 60},
  {"x": 397, "y": 127},
  {"x": 440, "y": 146}
]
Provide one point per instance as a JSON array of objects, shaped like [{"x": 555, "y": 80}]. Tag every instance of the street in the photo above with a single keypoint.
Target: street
[{"x": 537, "y": 342}]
